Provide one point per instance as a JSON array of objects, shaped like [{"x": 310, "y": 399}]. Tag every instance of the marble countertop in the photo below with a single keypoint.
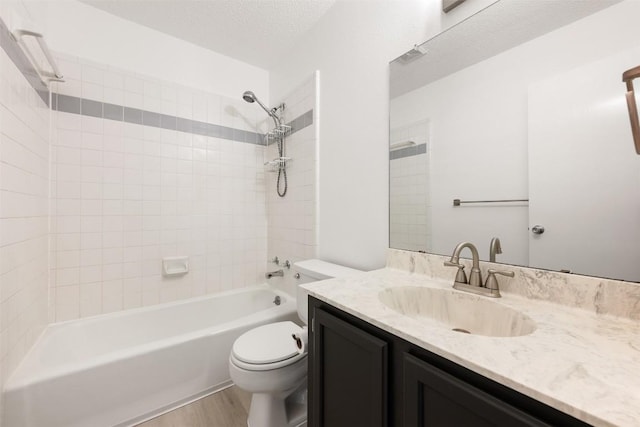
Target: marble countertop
[{"x": 582, "y": 363}]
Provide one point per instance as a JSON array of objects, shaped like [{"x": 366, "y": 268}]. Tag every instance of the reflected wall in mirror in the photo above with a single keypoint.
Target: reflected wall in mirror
[
  {"x": 409, "y": 181},
  {"x": 522, "y": 101}
]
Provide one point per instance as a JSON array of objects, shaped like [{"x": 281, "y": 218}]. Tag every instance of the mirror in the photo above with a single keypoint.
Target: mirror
[
  {"x": 628, "y": 77},
  {"x": 519, "y": 113}
]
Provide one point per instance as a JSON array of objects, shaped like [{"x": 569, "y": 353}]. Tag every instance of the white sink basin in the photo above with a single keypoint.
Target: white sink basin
[{"x": 460, "y": 312}]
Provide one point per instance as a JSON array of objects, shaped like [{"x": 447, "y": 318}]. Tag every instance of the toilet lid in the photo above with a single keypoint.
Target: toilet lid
[{"x": 267, "y": 344}]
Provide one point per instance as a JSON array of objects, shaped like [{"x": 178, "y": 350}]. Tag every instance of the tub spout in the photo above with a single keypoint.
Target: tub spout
[{"x": 270, "y": 274}]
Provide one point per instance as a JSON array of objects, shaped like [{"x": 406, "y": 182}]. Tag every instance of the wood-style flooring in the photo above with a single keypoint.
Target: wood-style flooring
[{"x": 226, "y": 408}]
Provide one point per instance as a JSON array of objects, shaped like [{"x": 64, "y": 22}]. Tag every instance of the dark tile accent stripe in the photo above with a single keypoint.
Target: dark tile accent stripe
[
  {"x": 91, "y": 108},
  {"x": 17, "y": 56},
  {"x": 408, "y": 152},
  {"x": 68, "y": 104},
  {"x": 302, "y": 122},
  {"x": 308, "y": 118},
  {"x": 225, "y": 132},
  {"x": 184, "y": 125},
  {"x": 296, "y": 124},
  {"x": 238, "y": 135},
  {"x": 113, "y": 112},
  {"x": 133, "y": 115},
  {"x": 88, "y": 107},
  {"x": 254, "y": 138},
  {"x": 168, "y": 122},
  {"x": 150, "y": 118},
  {"x": 200, "y": 128}
]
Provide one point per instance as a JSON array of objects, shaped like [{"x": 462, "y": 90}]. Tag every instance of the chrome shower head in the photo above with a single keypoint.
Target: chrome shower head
[{"x": 249, "y": 96}]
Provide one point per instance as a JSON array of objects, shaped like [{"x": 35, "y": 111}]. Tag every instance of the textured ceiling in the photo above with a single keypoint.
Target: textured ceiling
[{"x": 258, "y": 32}]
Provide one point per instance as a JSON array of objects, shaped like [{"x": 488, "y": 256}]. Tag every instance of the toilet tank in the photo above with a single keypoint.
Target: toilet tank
[{"x": 312, "y": 270}]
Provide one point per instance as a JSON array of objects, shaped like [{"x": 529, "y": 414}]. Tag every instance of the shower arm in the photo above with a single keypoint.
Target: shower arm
[
  {"x": 271, "y": 113},
  {"x": 628, "y": 77}
]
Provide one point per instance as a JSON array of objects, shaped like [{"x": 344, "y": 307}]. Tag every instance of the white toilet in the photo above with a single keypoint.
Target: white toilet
[{"x": 266, "y": 361}]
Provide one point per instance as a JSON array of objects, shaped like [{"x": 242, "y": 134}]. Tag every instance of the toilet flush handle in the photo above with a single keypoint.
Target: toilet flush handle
[{"x": 297, "y": 275}]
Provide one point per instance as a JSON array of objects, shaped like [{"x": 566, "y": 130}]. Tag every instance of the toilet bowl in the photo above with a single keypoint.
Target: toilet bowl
[{"x": 267, "y": 362}]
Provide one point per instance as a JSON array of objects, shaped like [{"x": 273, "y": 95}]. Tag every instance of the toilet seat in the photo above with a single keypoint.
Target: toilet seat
[{"x": 267, "y": 347}]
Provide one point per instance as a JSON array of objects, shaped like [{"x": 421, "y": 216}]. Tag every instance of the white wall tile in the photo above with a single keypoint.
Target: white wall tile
[
  {"x": 24, "y": 210},
  {"x": 130, "y": 195},
  {"x": 113, "y": 79},
  {"x": 92, "y": 91},
  {"x": 292, "y": 219},
  {"x": 90, "y": 299}
]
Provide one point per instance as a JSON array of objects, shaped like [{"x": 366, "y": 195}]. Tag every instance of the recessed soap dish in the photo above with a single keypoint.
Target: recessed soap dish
[{"x": 175, "y": 266}]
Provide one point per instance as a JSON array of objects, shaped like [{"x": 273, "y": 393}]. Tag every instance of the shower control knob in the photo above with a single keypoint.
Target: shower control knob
[
  {"x": 537, "y": 229},
  {"x": 297, "y": 275}
]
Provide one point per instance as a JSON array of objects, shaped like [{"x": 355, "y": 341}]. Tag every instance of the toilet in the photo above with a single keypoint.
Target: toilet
[{"x": 266, "y": 360}]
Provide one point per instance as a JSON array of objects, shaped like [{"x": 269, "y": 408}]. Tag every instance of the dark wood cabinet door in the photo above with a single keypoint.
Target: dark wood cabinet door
[
  {"x": 348, "y": 380},
  {"x": 434, "y": 398}
]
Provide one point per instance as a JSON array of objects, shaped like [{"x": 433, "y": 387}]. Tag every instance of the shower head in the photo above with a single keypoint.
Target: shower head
[{"x": 251, "y": 97}]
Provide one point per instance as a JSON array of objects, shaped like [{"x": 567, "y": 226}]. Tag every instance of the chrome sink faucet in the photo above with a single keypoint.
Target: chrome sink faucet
[
  {"x": 490, "y": 288},
  {"x": 475, "y": 278}
]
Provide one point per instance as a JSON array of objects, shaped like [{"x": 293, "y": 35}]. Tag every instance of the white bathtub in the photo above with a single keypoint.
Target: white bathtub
[{"x": 123, "y": 368}]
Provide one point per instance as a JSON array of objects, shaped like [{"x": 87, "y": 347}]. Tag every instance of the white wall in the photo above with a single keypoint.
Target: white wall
[
  {"x": 351, "y": 47},
  {"x": 87, "y": 32}
]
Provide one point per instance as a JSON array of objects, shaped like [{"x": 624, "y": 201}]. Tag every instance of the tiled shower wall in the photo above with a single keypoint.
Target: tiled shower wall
[
  {"x": 126, "y": 170},
  {"x": 151, "y": 170},
  {"x": 292, "y": 219},
  {"x": 24, "y": 206}
]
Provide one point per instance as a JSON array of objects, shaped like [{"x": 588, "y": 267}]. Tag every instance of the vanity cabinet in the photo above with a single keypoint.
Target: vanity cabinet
[
  {"x": 351, "y": 366},
  {"x": 435, "y": 398},
  {"x": 360, "y": 375}
]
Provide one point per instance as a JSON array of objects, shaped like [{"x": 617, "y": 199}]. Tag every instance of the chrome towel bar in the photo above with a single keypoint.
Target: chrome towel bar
[{"x": 458, "y": 202}]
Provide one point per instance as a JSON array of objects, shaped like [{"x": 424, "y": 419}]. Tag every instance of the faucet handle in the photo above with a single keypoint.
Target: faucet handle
[
  {"x": 502, "y": 273},
  {"x": 461, "y": 277},
  {"x": 492, "y": 282}
]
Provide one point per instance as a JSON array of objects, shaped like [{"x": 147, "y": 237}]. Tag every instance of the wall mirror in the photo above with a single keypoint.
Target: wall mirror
[{"x": 519, "y": 113}]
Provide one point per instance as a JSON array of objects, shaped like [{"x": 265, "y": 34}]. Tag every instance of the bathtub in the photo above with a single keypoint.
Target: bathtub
[{"x": 123, "y": 368}]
